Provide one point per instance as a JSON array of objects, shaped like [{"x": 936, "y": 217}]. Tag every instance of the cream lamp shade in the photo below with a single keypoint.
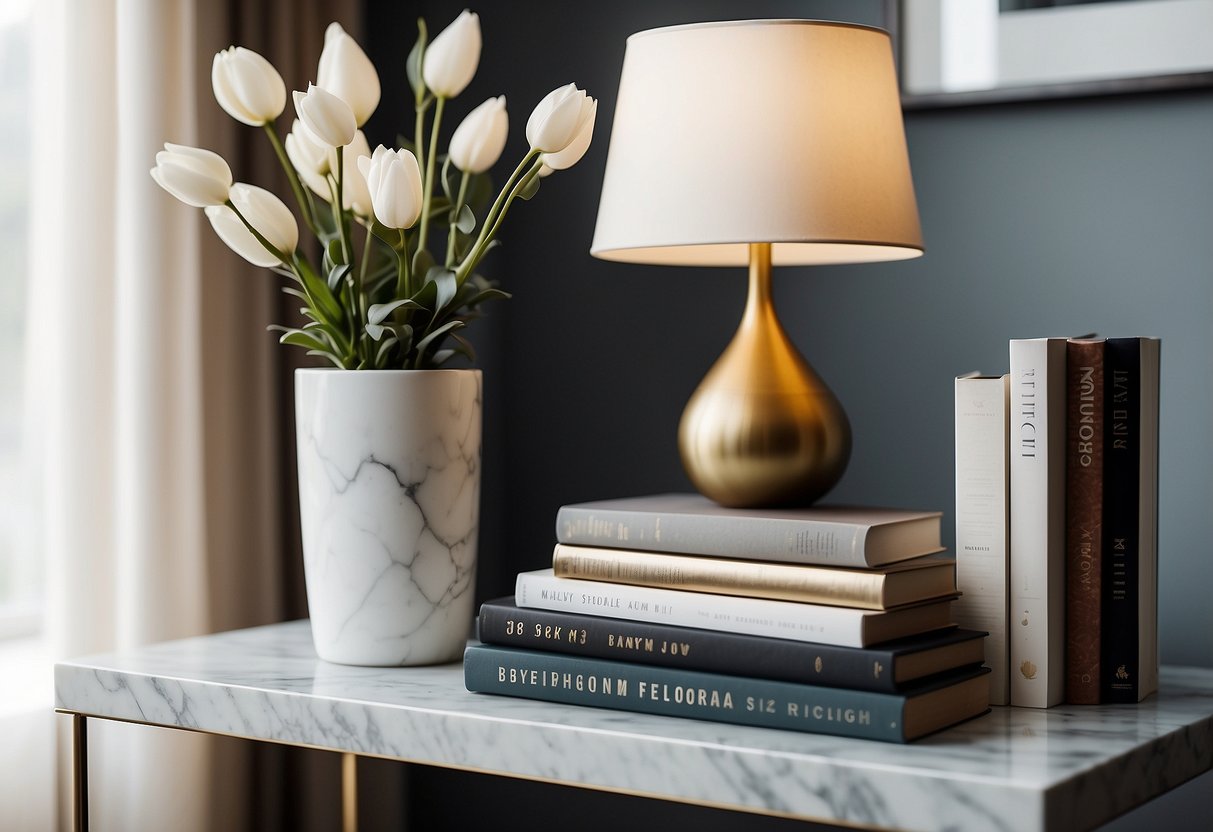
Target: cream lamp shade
[
  {"x": 739, "y": 132},
  {"x": 759, "y": 142}
]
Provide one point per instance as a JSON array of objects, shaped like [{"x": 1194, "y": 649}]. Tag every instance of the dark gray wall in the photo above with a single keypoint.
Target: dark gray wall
[
  {"x": 1040, "y": 219},
  {"x": 1061, "y": 217}
]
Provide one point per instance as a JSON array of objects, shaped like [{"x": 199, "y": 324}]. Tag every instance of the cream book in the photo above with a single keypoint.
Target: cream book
[
  {"x": 1038, "y": 528},
  {"x": 983, "y": 519}
]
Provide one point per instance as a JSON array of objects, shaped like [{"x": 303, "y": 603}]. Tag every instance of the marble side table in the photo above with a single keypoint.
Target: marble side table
[{"x": 1067, "y": 768}]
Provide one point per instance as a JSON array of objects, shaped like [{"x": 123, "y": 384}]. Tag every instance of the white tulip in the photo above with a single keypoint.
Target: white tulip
[
  {"x": 247, "y": 86},
  {"x": 314, "y": 162},
  {"x": 572, "y": 153},
  {"x": 355, "y": 194},
  {"x": 393, "y": 178},
  {"x": 559, "y": 118},
  {"x": 330, "y": 119},
  {"x": 239, "y": 239},
  {"x": 348, "y": 73},
  {"x": 451, "y": 59},
  {"x": 195, "y": 176},
  {"x": 477, "y": 142},
  {"x": 264, "y": 212}
]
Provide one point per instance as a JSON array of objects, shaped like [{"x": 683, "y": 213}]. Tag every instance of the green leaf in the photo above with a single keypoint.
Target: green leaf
[
  {"x": 405, "y": 336},
  {"x": 378, "y": 312},
  {"x": 445, "y": 286},
  {"x": 423, "y": 261},
  {"x": 467, "y": 220},
  {"x": 464, "y": 347},
  {"x": 334, "y": 253},
  {"x": 530, "y": 189},
  {"x": 442, "y": 356},
  {"x": 338, "y": 274},
  {"x": 437, "y": 333},
  {"x": 413, "y": 64},
  {"x": 384, "y": 349},
  {"x": 299, "y": 338},
  {"x": 444, "y": 178}
]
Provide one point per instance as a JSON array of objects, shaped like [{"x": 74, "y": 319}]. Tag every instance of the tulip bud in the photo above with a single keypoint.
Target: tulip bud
[
  {"x": 450, "y": 60},
  {"x": 348, "y": 73},
  {"x": 558, "y": 118},
  {"x": 195, "y": 176},
  {"x": 477, "y": 142},
  {"x": 264, "y": 212},
  {"x": 330, "y": 119},
  {"x": 315, "y": 161},
  {"x": 247, "y": 86},
  {"x": 572, "y": 153},
  {"x": 393, "y": 178}
]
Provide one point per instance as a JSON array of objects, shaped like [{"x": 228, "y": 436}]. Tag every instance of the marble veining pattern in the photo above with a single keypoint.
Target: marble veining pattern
[
  {"x": 389, "y": 470},
  {"x": 1013, "y": 769}
]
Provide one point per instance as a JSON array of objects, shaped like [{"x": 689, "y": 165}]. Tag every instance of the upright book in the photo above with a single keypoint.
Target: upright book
[
  {"x": 1038, "y": 429},
  {"x": 1129, "y": 650},
  {"x": 890, "y": 717},
  {"x": 693, "y": 525},
  {"x": 894, "y": 585},
  {"x": 1084, "y": 516},
  {"x": 983, "y": 518},
  {"x": 887, "y": 667},
  {"x": 840, "y": 626}
]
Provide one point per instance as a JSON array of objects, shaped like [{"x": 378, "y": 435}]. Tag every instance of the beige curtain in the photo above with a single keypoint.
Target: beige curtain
[{"x": 160, "y": 409}]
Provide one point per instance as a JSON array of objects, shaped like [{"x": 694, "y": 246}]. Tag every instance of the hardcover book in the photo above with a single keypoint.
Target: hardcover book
[
  {"x": 1038, "y": 424},
  {"x": 1084, "y": 516},
  {"x": 693, "y": 525},
  {"x": 983, "y": 519},
  {"x": 890, "y": 717},
  {"x": 1129, "y": 649},
  {"x": 841, "y": 626},
  {"x": 898, "y": 584},
  {"x": 886, "y": 667}
]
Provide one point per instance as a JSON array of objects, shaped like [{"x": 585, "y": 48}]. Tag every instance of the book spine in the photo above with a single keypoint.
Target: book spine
[
  {"x": 839, "y": 626},
  {"x": 688, "y": 648},
  {"x": 1084, "y": 518},
  {"x": 754, "y": 579},
  {"x": 1120, "y": 663},
  {"x": 1147, "y": 552},
  {"x": 1038, "y": 408},
  {"x": 983, "y": 518},
  {"x": 755, "y": 538},
  {"x": 552, "y": 677}
]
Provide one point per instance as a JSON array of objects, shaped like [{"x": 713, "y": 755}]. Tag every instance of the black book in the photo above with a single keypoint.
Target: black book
[{"x": 887, "y": 667}]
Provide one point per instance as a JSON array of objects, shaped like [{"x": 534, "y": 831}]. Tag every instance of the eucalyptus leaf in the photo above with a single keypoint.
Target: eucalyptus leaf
[
  {"x": 467, "y": 220},
  {"x": 412, "y": 66}
]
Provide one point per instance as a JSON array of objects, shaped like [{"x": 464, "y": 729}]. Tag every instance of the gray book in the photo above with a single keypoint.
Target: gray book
[{"x": 691, "y": 524}]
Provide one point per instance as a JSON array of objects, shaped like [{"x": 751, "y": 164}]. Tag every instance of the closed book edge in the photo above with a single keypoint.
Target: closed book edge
[
  {"x": 885, "y": 667},
  {"x": 694, "y": 525},
  {"x": 840, "y": 626},
  {"x": 1037, "y": 632},
  {"x": 552, "y": 677},
  {"x": 983, "y": 518},
  {"x": 1084, "y": 517},
  {"x": 879, "y": 588}
]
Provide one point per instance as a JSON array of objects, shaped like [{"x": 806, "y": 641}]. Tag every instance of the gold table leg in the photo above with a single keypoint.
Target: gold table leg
[
  {"x": 79, "y": 773},
  {"x": 349, "y": 792}
]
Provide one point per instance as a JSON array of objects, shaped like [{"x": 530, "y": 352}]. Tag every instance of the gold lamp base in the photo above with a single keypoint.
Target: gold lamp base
[{"x": 763, "y": 429}]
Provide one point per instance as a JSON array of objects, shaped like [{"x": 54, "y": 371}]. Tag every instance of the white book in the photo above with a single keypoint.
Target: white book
[
  {"x": 840, "y": 626},
  {"x": 1038, "y": 528},
  {"x": 983, "y": 519}
]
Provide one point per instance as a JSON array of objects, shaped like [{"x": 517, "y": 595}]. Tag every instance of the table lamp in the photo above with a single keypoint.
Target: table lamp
[{"x": 759, "y": 142}]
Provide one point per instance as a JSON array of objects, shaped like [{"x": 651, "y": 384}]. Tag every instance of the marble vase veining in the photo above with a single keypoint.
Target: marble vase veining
[{"x": 389, "y": 499}]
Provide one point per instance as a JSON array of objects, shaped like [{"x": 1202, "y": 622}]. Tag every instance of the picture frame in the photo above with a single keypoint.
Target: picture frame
[{"x": 958, "y": 52}]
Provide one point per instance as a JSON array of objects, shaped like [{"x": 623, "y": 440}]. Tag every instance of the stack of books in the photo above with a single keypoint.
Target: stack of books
[
  {"x": 827, "y": 620},
  {"x": 1057, "y": 519}
]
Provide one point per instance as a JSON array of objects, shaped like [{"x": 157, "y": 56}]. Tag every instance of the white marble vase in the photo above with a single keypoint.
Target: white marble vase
[{"x": 389, "y": 498}]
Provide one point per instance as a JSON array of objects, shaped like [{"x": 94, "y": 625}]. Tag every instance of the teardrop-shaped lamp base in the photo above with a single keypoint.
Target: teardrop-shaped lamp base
[{"x": 763, "y": 429}]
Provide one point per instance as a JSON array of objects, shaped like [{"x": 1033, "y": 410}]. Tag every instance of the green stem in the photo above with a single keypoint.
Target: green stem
[
  {"x": 419, "y": 128},
  {"x": 361, "y": 288},
  {"x": 339, "y": 206},
  {"x": 301, "y": 196},
  {"x": 429, "y": 171},
  {"x": 403, "y": 277},
  {"x": 490, "y": 219},
  {"x": 455, "y": 211},
  {"x": 270, "y": 247}
]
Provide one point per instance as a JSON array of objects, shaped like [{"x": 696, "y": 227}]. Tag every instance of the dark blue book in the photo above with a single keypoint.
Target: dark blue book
[
  {"x": 625, "y": 686},
  {"x": 885, "y": 667}
]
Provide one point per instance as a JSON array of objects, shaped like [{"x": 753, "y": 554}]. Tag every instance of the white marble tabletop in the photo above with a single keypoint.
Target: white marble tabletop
[{"x": 1013, "y": 769}]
